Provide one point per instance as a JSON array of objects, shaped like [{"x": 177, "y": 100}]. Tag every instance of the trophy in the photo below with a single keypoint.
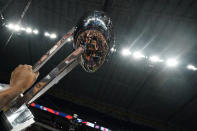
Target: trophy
[{"x": 92, "y": 39}]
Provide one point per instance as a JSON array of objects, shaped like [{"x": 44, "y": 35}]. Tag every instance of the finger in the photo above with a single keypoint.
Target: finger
[
  {"x": 15, "y": 70},
  {"x": 36, "y": 74},
  {"x": 29, "y": 67},
  {"x": 26, "y": 68},
  {"x": 18, "y": 69},
  {"x": 20, "y": 65}
]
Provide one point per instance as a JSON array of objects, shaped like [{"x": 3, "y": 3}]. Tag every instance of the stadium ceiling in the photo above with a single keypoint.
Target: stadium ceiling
[{"x": 137, "y": 91}]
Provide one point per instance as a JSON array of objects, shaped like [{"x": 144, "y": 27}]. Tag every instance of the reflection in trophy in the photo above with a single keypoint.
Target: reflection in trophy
[{"x": 92, "y": 39}]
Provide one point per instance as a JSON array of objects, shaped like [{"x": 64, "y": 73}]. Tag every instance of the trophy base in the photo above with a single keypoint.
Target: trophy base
[{"x": 18, "y": 120}]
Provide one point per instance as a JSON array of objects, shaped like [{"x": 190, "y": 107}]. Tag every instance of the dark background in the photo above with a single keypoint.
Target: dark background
[{"x": 124, "y": 93}]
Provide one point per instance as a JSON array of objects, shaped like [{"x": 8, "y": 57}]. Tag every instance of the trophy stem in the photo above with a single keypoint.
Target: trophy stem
[
  {"x": 53, "y": 50},
  {"x": 48, "y": 81}
]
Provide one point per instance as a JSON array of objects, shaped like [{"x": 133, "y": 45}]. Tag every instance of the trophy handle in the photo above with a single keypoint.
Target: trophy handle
[
  {"x": 47, "y": 82},
  {"x": 53, "y": 50}
]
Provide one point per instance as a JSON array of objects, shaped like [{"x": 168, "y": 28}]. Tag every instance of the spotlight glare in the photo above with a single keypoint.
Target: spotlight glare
[
  {"x": 35, "y": 31},
  {"x": 16, "y": 28},
  {"x": 113, "y": 49},
  {"x": 155, "y": 59},
  {"x": 172, "y": 62},
  {"x": 23, "y": 29},
  {"x": 69, "y": 39},
  {"x": 53, "y": 36},
  {"x": 138, "y": 55},
  {"x": 10, "y": 26},
  {"x": 28, "y": 30},
  {"x": 191, "y": 67},
  {"x": 46, "y": 34},
  {"x": 126, "y": 52}
]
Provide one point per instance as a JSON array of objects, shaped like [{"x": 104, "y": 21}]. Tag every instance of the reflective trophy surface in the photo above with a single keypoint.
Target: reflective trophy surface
[{"x": 92, "y": 39}]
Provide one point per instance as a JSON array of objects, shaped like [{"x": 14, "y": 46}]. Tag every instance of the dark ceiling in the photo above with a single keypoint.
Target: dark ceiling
[{"x": 123, "y": 88}]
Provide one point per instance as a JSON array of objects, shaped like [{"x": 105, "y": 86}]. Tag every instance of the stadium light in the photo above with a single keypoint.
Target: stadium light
[
  {"x": 23, "y": 29},
  {"x": 16, "y": 27},
  {"x": 138, "y": 55},
  {"x": 113, "y": 49},
  {"x": 46, "y": 34},
  {"x": 10, "y": 26},
  {"x": 28, "y": 30},
  {"x": 155, "y": 59},
  {"x": 35, "y": 31},
  {"x": 126, "y": 52},
  {"x": 172, "y": 62},
  {"x": 53, "y": 36},
  {"x": 191, "y": 67}
]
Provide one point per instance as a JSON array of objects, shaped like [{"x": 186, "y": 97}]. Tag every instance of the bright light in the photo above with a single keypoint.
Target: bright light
[
  {"x": 53, "y": 36},
  {"x": 172, "y": 62},
  {"x": 191, "y": 67},
  {"x": 16, "y": 27},
  {"x": 46, "y": 34},
  {"x": 23, "y": 29},
  {"x": 69, "y": 39},
  {"x": 35, "y": 31},
  {"x": 138, "y": 55},
  {"x": 155, "y": 59},
  {"x": 113, "y": 49},
  {"x": 126, "y": 52},
  {"x": 10, "y": 26},
  {"x": 28, "y": 30}
]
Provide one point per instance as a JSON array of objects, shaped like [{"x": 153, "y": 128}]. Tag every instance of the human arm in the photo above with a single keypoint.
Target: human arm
[{"x": 21, "y": 79}]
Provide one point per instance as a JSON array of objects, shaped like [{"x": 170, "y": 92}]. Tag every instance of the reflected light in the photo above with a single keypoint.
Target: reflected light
[{"x": 69, "y": 39}]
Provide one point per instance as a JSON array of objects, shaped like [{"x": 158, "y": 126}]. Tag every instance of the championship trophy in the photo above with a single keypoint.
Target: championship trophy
[{"x": 92, "y": 39}]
